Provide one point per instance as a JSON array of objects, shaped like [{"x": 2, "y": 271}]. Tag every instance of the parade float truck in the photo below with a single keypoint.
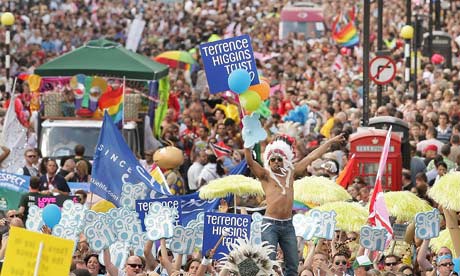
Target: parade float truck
[{"x": 63, "y": 124}]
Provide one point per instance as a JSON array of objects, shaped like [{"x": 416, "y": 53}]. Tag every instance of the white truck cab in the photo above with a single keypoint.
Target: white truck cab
[{"x": 58, "y": 137}]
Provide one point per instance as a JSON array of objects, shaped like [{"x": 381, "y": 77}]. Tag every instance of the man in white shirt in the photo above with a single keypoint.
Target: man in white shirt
[{"x": 195, "y": 169}]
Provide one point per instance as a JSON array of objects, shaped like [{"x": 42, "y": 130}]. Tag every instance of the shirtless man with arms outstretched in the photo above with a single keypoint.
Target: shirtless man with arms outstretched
[{"x": 277, "y": 178}]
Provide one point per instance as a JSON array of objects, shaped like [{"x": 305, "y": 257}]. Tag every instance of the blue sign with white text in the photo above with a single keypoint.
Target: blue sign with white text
[
  {"x": 143, "y": 207},
  {"x": 230, "y": 226},
  {"x": 14, "y": 182},
  {"x": 222, "y": 57}
]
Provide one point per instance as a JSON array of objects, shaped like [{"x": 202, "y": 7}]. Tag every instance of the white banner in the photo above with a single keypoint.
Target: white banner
[{"x": 135, "y": 33}]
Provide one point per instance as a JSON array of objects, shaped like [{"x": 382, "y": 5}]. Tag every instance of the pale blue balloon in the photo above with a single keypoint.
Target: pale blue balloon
[
  {"x": 51, "y": 215},
  {"x": 239, "y": 81}
]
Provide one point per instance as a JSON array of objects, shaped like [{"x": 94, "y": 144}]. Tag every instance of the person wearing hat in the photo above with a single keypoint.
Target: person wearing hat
[
  {"x": 444, "y": 265},
  {"x": 330, "y": 169},
  {"x": 430, "y": 152},
  {"x": 431, "y": 133},
  {"x": 277, "y": 178},
  {"x": 361, "y": 265}
]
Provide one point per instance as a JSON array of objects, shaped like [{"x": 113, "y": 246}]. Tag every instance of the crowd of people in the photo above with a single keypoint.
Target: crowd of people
[{"x": 313, "y": 72}]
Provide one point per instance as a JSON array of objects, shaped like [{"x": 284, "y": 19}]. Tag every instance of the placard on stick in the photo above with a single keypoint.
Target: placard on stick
[
  {"x": 23, "y": 251},
  {"x": 222, "y": 57},
  {"x": 373, "y": 238},
  {"x": 231, "y": 226},
  {"x": 399, "y": 231},
  {"x": 427, "y": 224}
]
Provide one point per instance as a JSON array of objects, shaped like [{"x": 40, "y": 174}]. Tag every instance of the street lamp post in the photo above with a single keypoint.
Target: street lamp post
[
  {"x": 407, "y": 33},
  {"x": 7, "y": 20}
]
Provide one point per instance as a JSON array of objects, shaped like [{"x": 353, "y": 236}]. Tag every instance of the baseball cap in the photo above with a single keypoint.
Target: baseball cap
[
  {"x": 431, "y": 147},
  {"x": 362, "y": 261}
]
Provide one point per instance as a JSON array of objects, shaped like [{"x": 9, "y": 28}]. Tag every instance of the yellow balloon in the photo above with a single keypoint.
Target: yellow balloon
[{"x": 34, "y": 82}]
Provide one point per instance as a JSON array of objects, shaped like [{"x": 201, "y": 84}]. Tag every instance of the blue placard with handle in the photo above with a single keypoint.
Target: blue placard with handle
[
  {"x": 231, "y": 226},
  {"x": 222, "y": 57}
]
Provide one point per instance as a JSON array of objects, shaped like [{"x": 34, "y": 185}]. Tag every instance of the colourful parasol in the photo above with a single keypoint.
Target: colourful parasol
[
  {"x": 176, "y": 59},
  {"x": 238, "y": 185},
  {"x": 446, "y": 190},
  {"x": 443, "y": 239},
  {"x": 405, "y": 205},
  {"x": 351, "y": 216},
  {"x": 318, "y": 190}
]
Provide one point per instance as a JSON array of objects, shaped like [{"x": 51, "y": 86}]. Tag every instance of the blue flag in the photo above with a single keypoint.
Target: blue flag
[{"x": 117, "y": 175}]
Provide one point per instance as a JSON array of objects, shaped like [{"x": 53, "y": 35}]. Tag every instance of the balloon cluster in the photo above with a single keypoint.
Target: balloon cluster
[{"x": 251, "y": 97}]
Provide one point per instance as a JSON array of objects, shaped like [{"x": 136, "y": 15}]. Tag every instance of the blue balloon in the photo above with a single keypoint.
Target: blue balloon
[
  {"x": 239, "y": 81},
  {"x": 51, "y": 215}
]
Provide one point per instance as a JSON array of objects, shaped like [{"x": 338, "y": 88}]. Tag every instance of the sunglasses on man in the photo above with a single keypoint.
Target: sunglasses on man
[
  {"x": 273, "y": 159},
  {"x": 136, "y": 265}
]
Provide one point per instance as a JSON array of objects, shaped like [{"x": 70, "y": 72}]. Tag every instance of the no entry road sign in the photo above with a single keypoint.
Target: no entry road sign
[{"x": 382, "y": 70}]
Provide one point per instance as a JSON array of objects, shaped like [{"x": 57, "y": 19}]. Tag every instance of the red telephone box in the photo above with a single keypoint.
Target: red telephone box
[{"x": 367, "y": 146}]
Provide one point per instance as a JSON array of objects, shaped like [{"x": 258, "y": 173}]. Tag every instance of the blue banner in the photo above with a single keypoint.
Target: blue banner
[
  {"x": 14, "y": 182},
  {"x": 222, "y": 57},
  {"x": 143, "y": 207},
  {"x": 12, "y": 186},
  {"x": 115, "y": 166},
  {"x": 215, "y": 224}
]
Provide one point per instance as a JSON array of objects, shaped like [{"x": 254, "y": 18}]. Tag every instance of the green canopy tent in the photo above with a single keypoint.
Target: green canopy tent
[{"x": 104, "y": 58}]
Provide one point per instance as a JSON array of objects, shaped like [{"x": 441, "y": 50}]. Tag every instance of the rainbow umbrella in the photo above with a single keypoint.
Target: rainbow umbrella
[{"x": 176, "y": 59}]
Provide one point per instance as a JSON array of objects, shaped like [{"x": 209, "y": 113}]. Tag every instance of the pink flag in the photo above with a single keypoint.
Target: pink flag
[{"x": 378, "y": 212}]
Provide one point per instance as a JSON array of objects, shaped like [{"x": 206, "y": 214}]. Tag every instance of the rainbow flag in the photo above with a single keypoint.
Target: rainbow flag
[
  {"x": 300, "y": 206},
  {"x": 113, "y": 102},
  {"x": 344, "y": 30}
]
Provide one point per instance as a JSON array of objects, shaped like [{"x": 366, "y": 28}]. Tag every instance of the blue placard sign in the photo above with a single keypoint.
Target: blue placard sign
[
  {"x": 216, "y": 224},
  {"x": 143, "y": 206},
  {"x": 222, "y": 57}
]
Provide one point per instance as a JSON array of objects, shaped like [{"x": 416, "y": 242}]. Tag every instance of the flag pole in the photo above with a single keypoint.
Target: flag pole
[
  {"x": 123, "y": 111},
  {"x": 14, "y": 87},
  {"x": 124, "y": 103}
]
